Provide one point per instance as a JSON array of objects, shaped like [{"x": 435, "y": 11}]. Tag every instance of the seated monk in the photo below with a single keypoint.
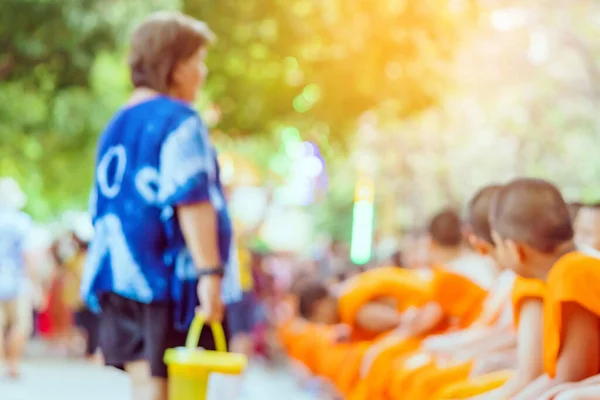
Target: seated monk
[
  {"x": 456, "y": 300},
  {"x": 528, "y": 219},
  {"x": 488, "y": 340},
  {"x": 567, "y": 286},
  {"x": 527, "y": 303},
  {"x": 533, "y": 233},
  {"x": 369, "y": 304},
  {"x": 587, "y": 229}
]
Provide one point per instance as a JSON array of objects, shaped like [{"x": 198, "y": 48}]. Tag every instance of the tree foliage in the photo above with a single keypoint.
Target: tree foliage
[
  {"x": 61, "y": 77},
  {"x": 316, "y": 65},
  {"x": 319, "y": 65}
]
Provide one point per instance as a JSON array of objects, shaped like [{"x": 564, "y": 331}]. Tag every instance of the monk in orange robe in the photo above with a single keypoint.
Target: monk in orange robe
[
  {"x": 456, "y": 300},
  {"x": 533, "y": 233},
  {"x": 490, "y": 337},
  {"x": 532, "y": 229},
  {"x": 527, "y": 304},
  {"x": 369, "y": 304},
  {"x": 571, "y": 318}
]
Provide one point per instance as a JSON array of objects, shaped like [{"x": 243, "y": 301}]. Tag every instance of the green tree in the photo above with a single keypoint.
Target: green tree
[
  {"x": 61, "y": 77},
  {"x": 320, "y": 65}
]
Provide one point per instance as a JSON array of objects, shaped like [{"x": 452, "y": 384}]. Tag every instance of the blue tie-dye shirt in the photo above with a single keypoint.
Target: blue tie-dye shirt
[{"x": 151, "y": 158}]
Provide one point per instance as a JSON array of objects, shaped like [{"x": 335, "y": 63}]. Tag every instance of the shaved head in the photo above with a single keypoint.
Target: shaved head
[
  {"x": 446, "y": 229},
  {"x": 478, "y": 212},
  {"x": 533, "y": 212}
]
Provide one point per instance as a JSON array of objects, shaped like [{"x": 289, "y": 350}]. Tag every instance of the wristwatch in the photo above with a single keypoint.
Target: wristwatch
[{"x": 216, "y": 271}]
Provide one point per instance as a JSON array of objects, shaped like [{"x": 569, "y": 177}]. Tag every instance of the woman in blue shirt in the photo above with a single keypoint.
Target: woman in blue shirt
[{"x": 163, "y": 236}]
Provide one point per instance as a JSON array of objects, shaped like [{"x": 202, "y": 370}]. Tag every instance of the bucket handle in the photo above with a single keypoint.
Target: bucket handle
[{"x": 193, "y": 337}]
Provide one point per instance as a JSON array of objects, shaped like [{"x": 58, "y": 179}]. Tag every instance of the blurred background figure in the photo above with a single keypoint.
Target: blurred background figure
[{"x": 18, "y": 284}]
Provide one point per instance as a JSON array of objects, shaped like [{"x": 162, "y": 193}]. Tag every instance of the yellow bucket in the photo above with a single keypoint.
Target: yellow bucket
[{"x": 194, "y": 372}]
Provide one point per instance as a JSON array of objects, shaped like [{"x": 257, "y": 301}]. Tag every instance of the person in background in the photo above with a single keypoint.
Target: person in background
[
  {"x": 18, "y": 282},
  {"x": 85, "y": 319},
  {"x": 58, "y": 313},
  {"x": 163, "y": 242},
  {"x": 241, "y": 315},
  {"x": 587, "y": 229},
  {"x": 398, "y": 259}
]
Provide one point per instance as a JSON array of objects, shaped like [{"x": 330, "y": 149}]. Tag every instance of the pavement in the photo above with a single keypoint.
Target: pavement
[{"x": 52, "y": 378}]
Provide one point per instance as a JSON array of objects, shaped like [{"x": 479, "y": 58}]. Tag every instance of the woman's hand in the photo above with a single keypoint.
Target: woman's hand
[{"x": 209, "y": 294}]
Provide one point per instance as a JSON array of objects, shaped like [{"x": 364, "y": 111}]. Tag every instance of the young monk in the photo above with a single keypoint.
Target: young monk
[
  {"x": 587, "y": 238},
  {"x": 492, "y": 331},
  {"x": 529, "y": 291},
  {"x": 456, "y": 299},
  {"x": 533, "y": 233},
  {"x": 369, "y": 304},
  {"x": 587, "y": 229},
  {"x": 527, "y": 303}
]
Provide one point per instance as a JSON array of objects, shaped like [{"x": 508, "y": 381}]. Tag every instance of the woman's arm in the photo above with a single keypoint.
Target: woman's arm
[{"x": 198, "y": 224}]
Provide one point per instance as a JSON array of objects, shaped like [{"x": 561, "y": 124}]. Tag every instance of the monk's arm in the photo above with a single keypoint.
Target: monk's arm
[
  {"x": 497, "y": 340},
  {"x": 580, "y": 353},
  {"x": 529, "y": 350},
  {"x": 424, "y": 320},
  {"x": 449, "y": 342},
  {"x": 378, "y": 317}
]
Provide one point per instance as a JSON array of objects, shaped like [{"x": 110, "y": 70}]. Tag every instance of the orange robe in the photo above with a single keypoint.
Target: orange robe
[
  {"x": 523, "y": 290},
  {"x": 406, "y": 287},
  {"x": 461, "y": 301},
  {"x": 574, "y": 278},
  {"x": 314, "y": 345},
  {"x": 425, "y": 380}
]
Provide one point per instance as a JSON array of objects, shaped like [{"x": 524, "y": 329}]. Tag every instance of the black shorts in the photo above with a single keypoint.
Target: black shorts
[
  {"x": 132, "y": 331},
  {"x": 88, "y": 321},
  {"x": 241, "y": 315}
]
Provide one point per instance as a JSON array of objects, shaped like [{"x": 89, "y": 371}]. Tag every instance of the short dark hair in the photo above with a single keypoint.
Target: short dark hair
[
  {"x": 308, "y": 295},
  {"x": 532, "y": 211},
  {"x": 398, "y": 259},
  {"x": 478, "y": 212},
  {"x": 160, "y": 42},
  {"x": 445, "y": 228}
]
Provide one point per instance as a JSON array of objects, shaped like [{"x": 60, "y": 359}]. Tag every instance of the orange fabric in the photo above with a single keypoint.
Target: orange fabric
[
  {"x": 333, "y": 360},
  {"x": 316, "y": 356},
  {"x": 290, "y": 332},
  {"x": 348, "y": 374},
  {"x": 474, "y": 386},
  {"x": 523, "y": 289},
  {"x": 407, "y": 287},
  {"x": 404, "y": 380},
  {"x": 574, "y": 278},
  {"x": 430, "y": 380},
  {"x": 458, "y": 296},
  {"x": 460, "y": 299},
  {"x": 526, "y": 289},
  {"x": 425, "y": 382},
  {"x": 382, "y": 370}
]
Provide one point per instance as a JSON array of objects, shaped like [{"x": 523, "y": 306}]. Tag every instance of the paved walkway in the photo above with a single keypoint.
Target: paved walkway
[{"x": 56, "y": 379}]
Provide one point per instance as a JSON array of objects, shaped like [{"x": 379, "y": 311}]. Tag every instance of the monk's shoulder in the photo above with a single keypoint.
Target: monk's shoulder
[
  {"x": 527, "y": 288},
  {"x": 572, "y": 273}
]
